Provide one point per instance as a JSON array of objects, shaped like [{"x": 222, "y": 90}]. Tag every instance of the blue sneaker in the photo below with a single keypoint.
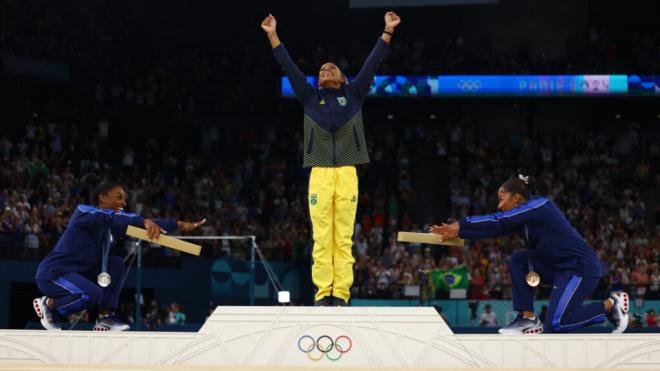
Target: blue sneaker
[{"x": 522, "y": 326}]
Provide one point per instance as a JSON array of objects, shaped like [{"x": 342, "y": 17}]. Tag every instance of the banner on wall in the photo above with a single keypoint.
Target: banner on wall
[{"x": 399, "y": 86}]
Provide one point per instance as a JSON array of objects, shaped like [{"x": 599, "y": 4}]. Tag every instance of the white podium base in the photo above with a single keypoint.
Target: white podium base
[{"x": 328, "y": 337}]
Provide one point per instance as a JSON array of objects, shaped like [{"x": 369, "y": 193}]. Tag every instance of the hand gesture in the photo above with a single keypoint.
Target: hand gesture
[
  {"x": 446, "y": 231},
  {"x": 187, "y": 226},
  {"x": 153, "y": 230},
  {"x": 391, "y": 21},
  {"x": 269, "y": 24}
]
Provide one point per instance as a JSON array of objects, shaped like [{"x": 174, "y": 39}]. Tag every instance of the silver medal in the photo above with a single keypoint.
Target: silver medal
[{"x": 103, "y": 279}]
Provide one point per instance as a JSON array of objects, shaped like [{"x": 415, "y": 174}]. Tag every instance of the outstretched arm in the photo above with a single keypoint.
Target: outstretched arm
[
  {"x": 157, "y": 226},
  {"x": 366, "y": 74},
  {"x": 296, "y": 77},
  {"x": 467, "y": 229},
  {"x": 493, "y": 225},
  {"x": 117, "y": 221}
]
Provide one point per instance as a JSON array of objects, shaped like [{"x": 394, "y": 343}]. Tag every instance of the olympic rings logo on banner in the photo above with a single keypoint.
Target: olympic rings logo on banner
[
  {"x": 469, "y": 85},
  {"x": 333, "y": 350}
]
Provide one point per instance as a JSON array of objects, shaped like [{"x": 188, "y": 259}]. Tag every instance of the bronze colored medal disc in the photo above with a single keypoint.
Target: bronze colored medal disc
[{"x": 533, "y": 279}]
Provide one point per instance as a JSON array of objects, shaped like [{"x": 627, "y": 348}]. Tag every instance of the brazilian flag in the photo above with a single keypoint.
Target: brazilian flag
[{"x": 446, "y": 279}]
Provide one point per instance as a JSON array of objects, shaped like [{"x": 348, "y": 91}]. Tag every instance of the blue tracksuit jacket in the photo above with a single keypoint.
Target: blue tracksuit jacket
[
  {"x": 79, "y": 249},
  {"x": 553, "y": 240}
]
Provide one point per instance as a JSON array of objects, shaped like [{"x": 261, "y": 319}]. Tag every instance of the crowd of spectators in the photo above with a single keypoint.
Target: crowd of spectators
[{"x": 255, "y": 185}]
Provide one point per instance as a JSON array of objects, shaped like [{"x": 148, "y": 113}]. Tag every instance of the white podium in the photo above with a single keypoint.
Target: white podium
[{"x": 329, "y": 337}]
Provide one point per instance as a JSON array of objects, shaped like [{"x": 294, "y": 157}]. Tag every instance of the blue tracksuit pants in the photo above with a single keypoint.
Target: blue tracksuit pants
[
  {"x": 74, "y": 292},
  {"x": 566, "y": 311}
]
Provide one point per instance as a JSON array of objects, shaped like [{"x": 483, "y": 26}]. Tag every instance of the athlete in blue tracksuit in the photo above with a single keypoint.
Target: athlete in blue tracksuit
[
  {"x": 556, "y": 251},
  {"x": 68, "y": 274}
]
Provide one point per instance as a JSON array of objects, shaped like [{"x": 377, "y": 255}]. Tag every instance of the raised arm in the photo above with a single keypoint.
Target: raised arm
[
  {"x": 269, "y": 25},
  {"x": 298, "y": 80},
  {"x": 392, "y": 20},
  {"x": 366, "y": 74}
]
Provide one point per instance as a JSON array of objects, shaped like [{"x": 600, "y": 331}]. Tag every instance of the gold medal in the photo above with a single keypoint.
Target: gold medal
[{"x": 533, "y": 279}]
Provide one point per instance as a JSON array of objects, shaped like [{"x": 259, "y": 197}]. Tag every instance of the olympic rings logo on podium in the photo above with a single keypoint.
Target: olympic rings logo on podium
[{"x": 333, "y": 350}]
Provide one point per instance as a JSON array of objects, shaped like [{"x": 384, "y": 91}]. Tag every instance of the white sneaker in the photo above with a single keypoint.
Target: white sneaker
[
  {"x": 619, "y": 315},
  {"x": 522, "y": 326},
  {"x": 110, "y": 323},
  {"x": 48, "y": 319}
]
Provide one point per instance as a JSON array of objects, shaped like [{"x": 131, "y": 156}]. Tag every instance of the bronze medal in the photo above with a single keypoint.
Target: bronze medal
[{"x": 533, "y": 279}]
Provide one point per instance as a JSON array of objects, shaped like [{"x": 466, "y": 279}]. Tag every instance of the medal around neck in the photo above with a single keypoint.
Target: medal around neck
[
  {"x": 533, "y": 279},
  {"x": 103, "y": 279}
]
